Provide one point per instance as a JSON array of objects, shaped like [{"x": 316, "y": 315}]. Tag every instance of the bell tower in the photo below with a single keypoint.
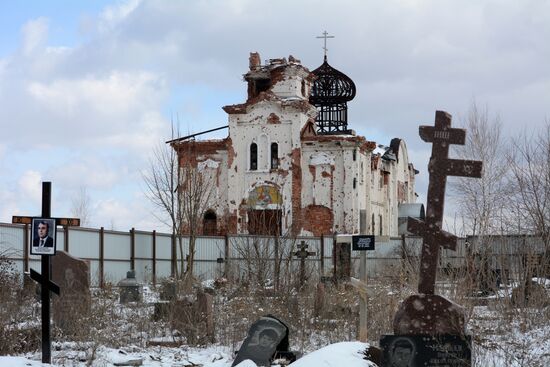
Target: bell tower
[{"x": 330, "y": 93}]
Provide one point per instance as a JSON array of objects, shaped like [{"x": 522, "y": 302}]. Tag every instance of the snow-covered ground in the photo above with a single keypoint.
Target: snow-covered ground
[{"x": 348, "y": 354}]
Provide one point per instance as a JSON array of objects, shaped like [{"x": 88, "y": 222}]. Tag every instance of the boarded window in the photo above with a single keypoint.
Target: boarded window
[
  {"x": 264, "y": 222},
  {"x": 209, "y": 225}
]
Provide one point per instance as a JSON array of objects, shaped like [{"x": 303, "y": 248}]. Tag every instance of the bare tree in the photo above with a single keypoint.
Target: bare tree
[
  {"x": 161, "y": 183},
  {"x": 81, "y": 206},
  {"x": 196, "y": 194},
  {"x": 481, "y": 202},
  {"x": 530, "y": 166}
]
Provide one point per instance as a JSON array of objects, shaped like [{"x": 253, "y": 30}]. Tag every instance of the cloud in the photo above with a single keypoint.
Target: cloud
[
  {"x": 35, "y": 34},
  {"x": 30, "y": 185}
]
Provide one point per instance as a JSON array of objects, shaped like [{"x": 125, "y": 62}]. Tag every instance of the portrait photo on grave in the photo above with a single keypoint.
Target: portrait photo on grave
[
  {"x": 401, "y": 352},
  {"x": 262, "y": 342},
  {"x": 43, "y": 236}
]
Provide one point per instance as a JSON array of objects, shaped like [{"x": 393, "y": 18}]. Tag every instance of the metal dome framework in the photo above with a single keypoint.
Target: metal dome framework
[{"x": 330, "y": 93}]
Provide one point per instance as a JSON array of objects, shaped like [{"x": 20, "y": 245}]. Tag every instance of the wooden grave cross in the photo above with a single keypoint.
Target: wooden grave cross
[
  {"x": 43, "y": 278},
  {"x": 441, "y": 136},
  {"x": 303, "y": 254}
]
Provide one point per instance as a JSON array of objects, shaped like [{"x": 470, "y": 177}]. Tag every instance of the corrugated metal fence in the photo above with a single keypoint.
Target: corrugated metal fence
[{"x": 154, "y": 255}]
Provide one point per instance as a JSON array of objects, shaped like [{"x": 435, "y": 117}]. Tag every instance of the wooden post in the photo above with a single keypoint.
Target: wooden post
[
  {"x": 102, "y": 257},
  {"x": 363, "y": 277},
  {"x": 132, "y": 249},
  {"x": 45, "y": 272},
  {"x": 26, "y": 248},
  {"x": 154, "y": 257}
]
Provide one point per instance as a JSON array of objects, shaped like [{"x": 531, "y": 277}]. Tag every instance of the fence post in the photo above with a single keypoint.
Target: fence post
[
  {"x": 226, "y": 257},
  {"x": 173, "y": 257},
  {"x": 66, "y": 239},
  {"x": 276, "y": 267},
  {"x": 26, "y": 248},
  {"x": 133, "y": 249},
  {"x": 102, "y": 257},
  {"x": 322, "y": 251},
  {"x": 154, "y": 257}
]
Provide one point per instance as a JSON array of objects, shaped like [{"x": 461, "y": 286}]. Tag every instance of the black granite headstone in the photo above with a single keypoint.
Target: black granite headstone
[
  {"x": 265, "y": 337},
  {"x": 426, "y": 351}
]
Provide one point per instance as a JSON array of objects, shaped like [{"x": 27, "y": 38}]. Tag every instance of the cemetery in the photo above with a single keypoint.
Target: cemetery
[
  {"x": 296, "y": 308},
  {"x": 169, "y": 198}
]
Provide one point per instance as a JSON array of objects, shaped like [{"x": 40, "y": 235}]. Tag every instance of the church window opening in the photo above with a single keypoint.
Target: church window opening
[
  {"x": 253, "y": 156},
  {"x": 274, "y": 155},
  {"x": 354, "y": 155},
  {"x": 354, "y": 182},
  {"x": 209, "y": 224},
  {"x": 372, "y": 224},
  {"x": 380, "y": 218}
]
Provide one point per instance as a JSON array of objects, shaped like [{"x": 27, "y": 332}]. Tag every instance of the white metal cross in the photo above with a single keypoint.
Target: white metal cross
[{"x": 325, "y": 36}]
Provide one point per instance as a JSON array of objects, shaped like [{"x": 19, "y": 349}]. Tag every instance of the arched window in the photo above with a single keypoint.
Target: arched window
[
  {"x": 274, "y": 155},
  {"x": 209, "y": 224},
  {"x": 381, "y": 226},
  {"x": 372, "y": 223},
  {"x": 253, "y": 156}
]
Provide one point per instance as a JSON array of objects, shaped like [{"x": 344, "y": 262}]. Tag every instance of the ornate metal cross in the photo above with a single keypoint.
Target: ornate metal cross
[
  {"x": 325, "y": 36},
  {"x": 303, "y": 254},
  {"x": 440, "y": 166}
]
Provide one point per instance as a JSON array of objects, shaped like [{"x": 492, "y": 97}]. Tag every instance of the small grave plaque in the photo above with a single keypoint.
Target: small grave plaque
[
  {"x": 265, "y": 337},
  {"x": 362, "y": 243},
  {"x": 426, "y": 351}
]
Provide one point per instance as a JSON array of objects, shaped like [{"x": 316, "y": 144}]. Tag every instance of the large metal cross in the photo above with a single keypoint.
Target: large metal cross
[
  {"x": 440, "y": 166},
  {"x": 325, "y": 36},
  {"x": 303, "y": 254}
]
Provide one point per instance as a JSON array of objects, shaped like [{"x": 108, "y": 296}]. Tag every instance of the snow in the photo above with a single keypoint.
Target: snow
[{"x": 347, "y": 354}]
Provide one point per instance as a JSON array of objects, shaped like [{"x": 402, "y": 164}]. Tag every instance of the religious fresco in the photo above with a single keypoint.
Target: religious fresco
[{"x": 262, "y": 196}]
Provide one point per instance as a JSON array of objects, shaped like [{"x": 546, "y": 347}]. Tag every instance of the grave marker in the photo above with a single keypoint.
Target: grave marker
[
  {"x": 44, "y": 277},
  {"x": 440, "y": 166},
  {"x": 303, "y": 254},
  {"x": 429, "y": 329}
]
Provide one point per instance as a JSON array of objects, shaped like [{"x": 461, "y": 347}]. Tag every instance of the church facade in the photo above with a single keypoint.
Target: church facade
[{"x": 290, "y": 165}]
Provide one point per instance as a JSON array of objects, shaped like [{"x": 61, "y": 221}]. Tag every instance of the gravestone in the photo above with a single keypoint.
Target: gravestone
[
  {"x": 205, "y": 312},
  {"x": 130, "y": 289},
  {"x": 267, "y": 338},
  {"x": 73, "y": 277},
  {"x": 429, "y": 330}
]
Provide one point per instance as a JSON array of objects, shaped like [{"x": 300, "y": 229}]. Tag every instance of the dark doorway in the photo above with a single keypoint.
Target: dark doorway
[
  {"x": 264, "y": 222},
  {"x": 209, "y": 224}
]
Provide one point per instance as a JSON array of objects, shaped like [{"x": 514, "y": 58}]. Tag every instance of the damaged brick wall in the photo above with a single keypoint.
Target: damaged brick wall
[{"x": 320, "y": 220}]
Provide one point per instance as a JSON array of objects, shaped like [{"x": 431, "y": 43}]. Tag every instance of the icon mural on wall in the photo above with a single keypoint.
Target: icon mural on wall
[{"x": 262, "y": 196}]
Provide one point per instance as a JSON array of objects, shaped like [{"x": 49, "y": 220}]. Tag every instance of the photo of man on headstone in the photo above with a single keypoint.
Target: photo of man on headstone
[
  {"x": 43, "y": 236},
  {"x": 402, "y": 353}
]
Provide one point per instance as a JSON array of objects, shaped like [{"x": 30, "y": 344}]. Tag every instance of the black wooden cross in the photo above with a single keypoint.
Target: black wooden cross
[
  {"x": 43, "y": 279},
  {"x": 440, "y": 166},
  {"x": 303, "y": 254}
]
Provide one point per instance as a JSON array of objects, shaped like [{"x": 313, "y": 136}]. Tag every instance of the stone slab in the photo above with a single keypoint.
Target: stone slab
[
  {"x": 73, "y": 277},
  {"x": 428, "y": 314},
  {"x": 426, "y": 351}
]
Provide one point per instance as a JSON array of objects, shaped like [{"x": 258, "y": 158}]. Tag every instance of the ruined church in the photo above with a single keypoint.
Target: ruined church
[{"x": 291, "y": 165}]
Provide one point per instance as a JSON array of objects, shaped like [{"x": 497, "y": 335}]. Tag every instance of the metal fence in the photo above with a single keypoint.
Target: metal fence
[{"x": 155, "y": 255}]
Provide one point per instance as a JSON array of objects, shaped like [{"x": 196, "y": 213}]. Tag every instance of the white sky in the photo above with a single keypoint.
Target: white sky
[{"x": 87, "y": 90}]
